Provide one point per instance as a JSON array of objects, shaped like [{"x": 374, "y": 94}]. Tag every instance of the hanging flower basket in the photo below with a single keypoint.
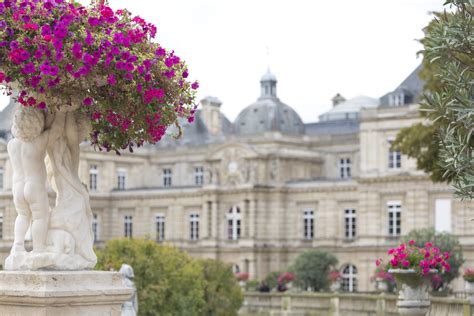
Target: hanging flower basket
[
  {"x": 413, "y": 268},
  {"x": 63, "y": 57}
]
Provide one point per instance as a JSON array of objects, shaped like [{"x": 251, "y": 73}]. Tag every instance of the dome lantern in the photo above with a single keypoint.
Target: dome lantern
[{"x": 268, "y": 86}]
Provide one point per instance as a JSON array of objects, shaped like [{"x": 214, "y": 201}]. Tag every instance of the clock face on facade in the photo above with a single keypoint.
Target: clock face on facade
[{"x": 232, "y": 167}]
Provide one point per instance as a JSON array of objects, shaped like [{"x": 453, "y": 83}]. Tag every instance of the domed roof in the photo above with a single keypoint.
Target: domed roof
[
  {"x": 268, "y": 76},
  {"x": 349, "y": 109},
  {"x": 268, "y": 115}
]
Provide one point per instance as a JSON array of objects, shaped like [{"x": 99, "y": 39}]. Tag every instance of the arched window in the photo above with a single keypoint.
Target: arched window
[
  {"x": 233, "y": 223},
  {"x": 349, "y": 278}
]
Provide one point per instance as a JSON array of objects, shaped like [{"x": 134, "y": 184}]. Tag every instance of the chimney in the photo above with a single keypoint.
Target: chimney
[
  {"x": 337, "y": 99},
  {"x": 210, "y": 109}
]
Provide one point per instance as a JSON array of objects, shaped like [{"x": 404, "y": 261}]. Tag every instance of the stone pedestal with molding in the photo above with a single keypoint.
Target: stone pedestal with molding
[{"x": 62, "y": 293}]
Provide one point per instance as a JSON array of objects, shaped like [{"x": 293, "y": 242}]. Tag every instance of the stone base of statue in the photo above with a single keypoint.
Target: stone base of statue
[{"x": 62, "y": 293}]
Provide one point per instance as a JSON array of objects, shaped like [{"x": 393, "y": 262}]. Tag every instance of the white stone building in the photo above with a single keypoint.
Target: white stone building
[{"x": 259, "y": 191}]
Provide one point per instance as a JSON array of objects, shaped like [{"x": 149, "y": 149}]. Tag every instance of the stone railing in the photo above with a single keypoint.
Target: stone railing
[{"x": 338, "y": 304}]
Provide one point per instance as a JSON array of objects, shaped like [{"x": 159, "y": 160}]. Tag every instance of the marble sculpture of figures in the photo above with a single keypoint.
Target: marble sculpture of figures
[
  {"x": 62, "y": 235},
  {"x": 130, "y": 307}
]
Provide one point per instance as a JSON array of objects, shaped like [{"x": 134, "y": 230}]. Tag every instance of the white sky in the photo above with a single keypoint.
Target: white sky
[{"x": 317, "y": 48}]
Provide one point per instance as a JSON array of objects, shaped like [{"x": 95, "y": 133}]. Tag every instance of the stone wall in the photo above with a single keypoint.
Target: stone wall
[{"x": 337, "y": 304}]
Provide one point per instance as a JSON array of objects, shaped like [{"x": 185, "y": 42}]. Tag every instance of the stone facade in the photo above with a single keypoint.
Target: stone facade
[{"x": 258, "y": 196}]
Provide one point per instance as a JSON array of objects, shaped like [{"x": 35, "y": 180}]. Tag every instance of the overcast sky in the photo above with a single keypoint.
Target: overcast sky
[{"x": 316, "y": 48}]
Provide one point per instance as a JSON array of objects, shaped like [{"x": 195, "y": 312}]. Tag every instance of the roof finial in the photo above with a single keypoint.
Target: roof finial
[{"x": 268, "y": 58}]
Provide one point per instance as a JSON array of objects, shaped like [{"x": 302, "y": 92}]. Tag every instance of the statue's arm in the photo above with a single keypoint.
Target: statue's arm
[
  {"x": 73, "y": 139},
  {"x": 57, "y": 128}
]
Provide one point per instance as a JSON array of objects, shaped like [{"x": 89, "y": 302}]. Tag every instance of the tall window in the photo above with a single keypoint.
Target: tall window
[
  {"x": 167, "y": 175},
  {"x": 394, "y": 218},
  {"x": 198, "y": 175},
  {"x": 160, "y": 227},
  {"x": 443, "y": 215},
  {"x": 1, "y": 179},
  {"x": 349, "y": 279},
  {"x": 121, "y": 179},
  {"x": 93, "y": 173},
  {"x": 1, "y": 225},
  {"x": 394, "y": 157},
  {"x": 345, "y": 168},
  {"x": 308, "y": 222},
  {"x": 95, "y": 227},
  {"x": 233, "y": 223},
  {"x": 194, "y": 226},
  {"x": 128, "y": 226},
  {"x": 350, "y": 223}
]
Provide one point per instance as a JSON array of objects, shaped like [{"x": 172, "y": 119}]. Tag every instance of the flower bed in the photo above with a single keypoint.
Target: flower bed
[{"x": 62, "y": 56}]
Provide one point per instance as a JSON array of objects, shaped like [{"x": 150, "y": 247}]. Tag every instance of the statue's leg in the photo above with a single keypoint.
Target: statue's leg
[
  {"x": 22, "y": 223},
  {"x": 37, "y": 197}
]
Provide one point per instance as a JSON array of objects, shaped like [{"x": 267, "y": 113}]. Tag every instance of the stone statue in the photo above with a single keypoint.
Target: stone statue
[
  {"x": 130, "y": 307},
  {"x": 27, "y": 151},
  {"x": 62, "y": 237}
]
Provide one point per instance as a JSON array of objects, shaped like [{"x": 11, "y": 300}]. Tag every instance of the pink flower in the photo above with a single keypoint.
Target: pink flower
[
  {"x": 111, "y": 80},
  {"x": 87, "y": 101},
  {"x": 42, "y": 105},
  {"x": 31, "y": 27},
  {"x": 394, "y": 262},
  {"x": 195, "y": 85},
  {"x": 2, "y": 76},
  {"x": 411, "y": 242},
  {"x": 446, "y": 254},
  {"x": 378, "y": 262},
  {"x": 429, "y": 244},
  {"x": 96, "y": 116},
  {"x": 406, "y": 263}
]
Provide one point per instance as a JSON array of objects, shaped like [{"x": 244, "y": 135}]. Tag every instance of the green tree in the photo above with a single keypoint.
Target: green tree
[
  {"x": 222, "y": 292},
  {"x": 311, "y": 269},
  {"x": 448, "y": 70},
  {"x": 168, "y": 281},
  {"x": 450, "y": 43},
  {"x": 446, "y": 243}
]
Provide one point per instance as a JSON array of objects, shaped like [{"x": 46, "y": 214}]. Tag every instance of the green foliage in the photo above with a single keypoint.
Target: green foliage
[
  {"x": 446, "y": 243},
  {"x": 449, "y": 47},
  {"x": 272, "y": 279},
  {"x": 168, "y": 281},
  {"x": 252, "y": 285},
  {"x": 446, "y": 148},
  {"x": 222, "y": 293},
  {"x": 311, "y": 269},
  {"x": 422, "y": 143}
]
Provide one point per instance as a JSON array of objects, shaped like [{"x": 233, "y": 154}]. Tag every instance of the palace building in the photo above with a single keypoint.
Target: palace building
[{"x": 259, "y": 191}]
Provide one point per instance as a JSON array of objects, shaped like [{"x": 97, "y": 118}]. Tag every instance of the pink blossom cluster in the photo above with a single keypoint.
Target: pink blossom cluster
[
  {"x": 242, "y": 276},
  {"x": 131, "y": 88},
  {"x": 286, "y": 277},
  {"x": 421, "y": 259},
  {"x": 469, "y": 274},
  {"x": 334, "y": 276}
]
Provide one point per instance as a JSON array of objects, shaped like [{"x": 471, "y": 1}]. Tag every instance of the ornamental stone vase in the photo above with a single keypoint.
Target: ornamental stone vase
[
  {"x": 381, "y": 285},
  {"x": 336, "y": 286},
  {"x": 469, "y": 289},
  {"x": 413, "y": 297}
]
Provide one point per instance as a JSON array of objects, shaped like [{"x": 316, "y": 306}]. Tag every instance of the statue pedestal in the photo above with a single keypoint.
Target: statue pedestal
[{"x": 61, "y": 293}]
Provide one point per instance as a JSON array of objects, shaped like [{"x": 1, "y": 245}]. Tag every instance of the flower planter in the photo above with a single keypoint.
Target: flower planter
[
  {"x": 413, "y": 297},
  {"x": 469, "y": 289},
  {"x": 381, "y": 285},
  {"x": 335, "y": 286}
]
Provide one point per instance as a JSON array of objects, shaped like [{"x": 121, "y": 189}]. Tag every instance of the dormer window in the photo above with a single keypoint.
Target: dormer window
[{"x": 396, "y": 99}]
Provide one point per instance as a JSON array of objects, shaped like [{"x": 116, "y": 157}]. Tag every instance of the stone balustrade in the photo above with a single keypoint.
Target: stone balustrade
[{"x": 341, "y": 304}]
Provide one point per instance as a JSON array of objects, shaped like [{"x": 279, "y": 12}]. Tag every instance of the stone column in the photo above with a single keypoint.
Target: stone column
[{"x": 62, "y": 293}]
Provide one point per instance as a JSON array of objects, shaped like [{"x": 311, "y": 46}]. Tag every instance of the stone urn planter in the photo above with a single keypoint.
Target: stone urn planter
[
  {"x": 469, "y": 289},
  {"x": 335, "y": 286},
  {"x": 413, "y": 297},
  {"x": 381, "y": 285}
]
